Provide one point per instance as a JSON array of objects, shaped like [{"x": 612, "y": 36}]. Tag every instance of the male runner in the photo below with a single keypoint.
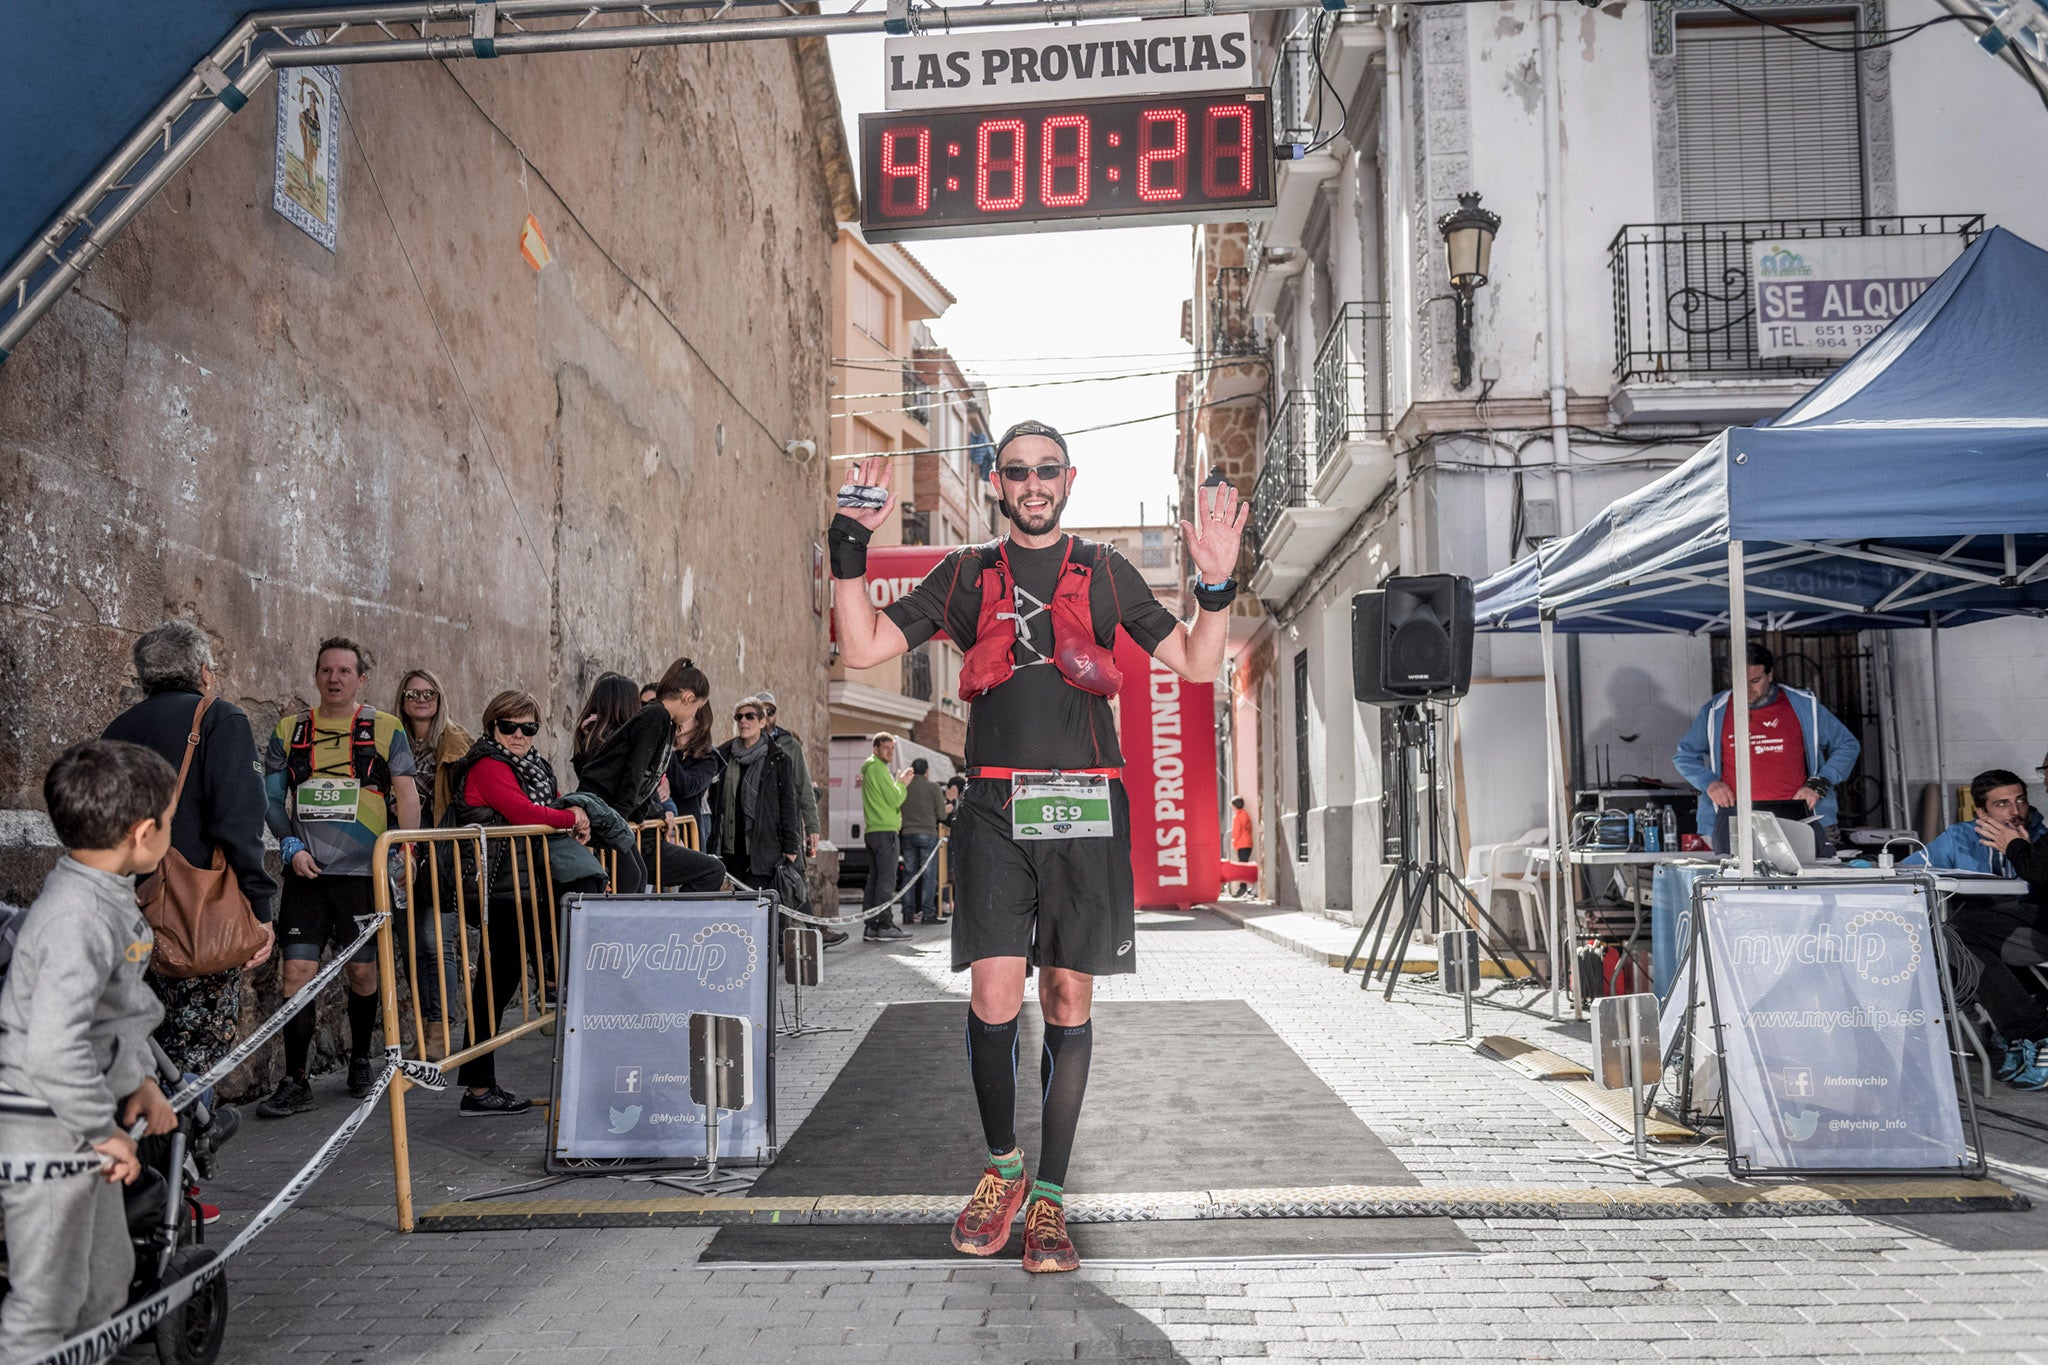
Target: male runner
[{"x": 1042, "y": 836}]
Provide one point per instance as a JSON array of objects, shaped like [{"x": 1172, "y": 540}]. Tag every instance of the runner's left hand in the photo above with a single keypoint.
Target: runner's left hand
[{"x": 1217, "y": 532}]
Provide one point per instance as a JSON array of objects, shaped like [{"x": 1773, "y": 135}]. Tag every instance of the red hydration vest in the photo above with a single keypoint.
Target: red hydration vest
[{"x": 1081, "y": 660}]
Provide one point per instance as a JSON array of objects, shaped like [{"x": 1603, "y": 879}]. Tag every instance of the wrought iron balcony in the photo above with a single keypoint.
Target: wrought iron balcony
[
  {"x": 917, "y": 396},
  {"x": 1351, "y": 378},
  {"x": 1288, "y": 469},
  {"x": 1685, "y": 305},
  {"x": 1232, "y": 330}
]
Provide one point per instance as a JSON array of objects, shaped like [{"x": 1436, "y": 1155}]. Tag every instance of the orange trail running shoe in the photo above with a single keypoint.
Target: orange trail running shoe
[
  {"x": 983, "y": 1227},
  {"x": 1046, "y": 1244}
]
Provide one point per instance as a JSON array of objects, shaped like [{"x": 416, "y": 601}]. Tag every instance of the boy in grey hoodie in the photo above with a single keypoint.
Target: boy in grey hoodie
[{"x": 75, "y": 1064}]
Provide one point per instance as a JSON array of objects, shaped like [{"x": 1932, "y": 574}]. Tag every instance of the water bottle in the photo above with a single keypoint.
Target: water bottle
[
  {"x": 1667, "y": 819},
  {"x": 1652, "y": 830}
]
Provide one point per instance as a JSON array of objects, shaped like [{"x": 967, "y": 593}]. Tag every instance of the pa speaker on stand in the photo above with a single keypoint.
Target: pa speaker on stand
[
  {"x": 1411, "y": 645},
  {"x": 1412, "y": 640}
]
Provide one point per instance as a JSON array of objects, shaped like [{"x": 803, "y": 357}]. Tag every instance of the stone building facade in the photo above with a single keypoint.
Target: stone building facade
[{"x": 516, "y": 477}]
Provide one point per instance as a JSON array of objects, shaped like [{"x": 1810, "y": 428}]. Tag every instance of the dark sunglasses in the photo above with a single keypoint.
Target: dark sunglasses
[
  {"x": 1017, "y": 473},
  {"x": 529, "y": 728},
  {"x": 746, "y": 715},
  {"x": 421, "y": 694}
]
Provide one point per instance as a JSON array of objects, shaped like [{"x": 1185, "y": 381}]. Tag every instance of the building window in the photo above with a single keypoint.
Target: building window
[
  {"x": 870, "y": 307},
  {"x": 1152, "y": 555},
  {"x": 1768, "y": 126},
  {"x": 917, "y": 397},
  {"x": 1304, "y": 796},
  {"x": 917, "y": 527},
  {"x": 917, "y": 673}
]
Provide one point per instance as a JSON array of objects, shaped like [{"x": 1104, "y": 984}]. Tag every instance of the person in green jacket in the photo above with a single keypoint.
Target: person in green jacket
[{"x": 881, "y": 808}]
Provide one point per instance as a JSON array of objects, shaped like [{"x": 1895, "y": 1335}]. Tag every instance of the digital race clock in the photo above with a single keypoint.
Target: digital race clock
[{"x": 1085, "y": 163}]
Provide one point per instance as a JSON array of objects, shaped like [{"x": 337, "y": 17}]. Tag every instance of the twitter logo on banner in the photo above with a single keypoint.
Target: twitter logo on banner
[
  {"x": 1799, "y": 1127},
  {"x": 624, "y": 1119}
]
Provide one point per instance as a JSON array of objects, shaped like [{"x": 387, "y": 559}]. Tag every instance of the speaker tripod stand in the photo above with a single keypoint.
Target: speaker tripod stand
[{"x": 1424, "y": 883}]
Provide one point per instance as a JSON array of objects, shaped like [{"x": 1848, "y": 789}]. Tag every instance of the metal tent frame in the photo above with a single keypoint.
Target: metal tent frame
[{"x": 265, "y": 43}]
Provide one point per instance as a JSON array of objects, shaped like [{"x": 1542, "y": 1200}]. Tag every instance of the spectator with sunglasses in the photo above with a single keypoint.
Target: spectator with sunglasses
[
  {"x": 436, "y": 743},
  {"x": 756, "y": 820},
  {"x": 503, "y": 781}
]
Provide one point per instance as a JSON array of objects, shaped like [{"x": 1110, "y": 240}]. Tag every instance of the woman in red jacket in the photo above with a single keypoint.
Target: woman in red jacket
[{"x": 502, "y": 781}]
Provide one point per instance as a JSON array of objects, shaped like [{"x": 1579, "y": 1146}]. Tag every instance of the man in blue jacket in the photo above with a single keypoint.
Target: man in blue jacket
[
  {"x": 2001, "y": 795},
  {"x": 1798, "y": 750}
]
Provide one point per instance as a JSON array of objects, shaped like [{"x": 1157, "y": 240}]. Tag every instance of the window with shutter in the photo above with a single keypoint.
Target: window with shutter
[{"x": 1768, "y": 126}]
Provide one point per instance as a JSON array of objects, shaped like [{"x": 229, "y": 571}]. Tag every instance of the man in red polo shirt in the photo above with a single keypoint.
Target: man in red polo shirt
[{"x": 1798, "y": 752}]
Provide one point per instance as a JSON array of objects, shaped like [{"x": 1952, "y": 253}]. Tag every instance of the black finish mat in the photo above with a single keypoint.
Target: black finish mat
[{"x": 1197, "y": 1095}]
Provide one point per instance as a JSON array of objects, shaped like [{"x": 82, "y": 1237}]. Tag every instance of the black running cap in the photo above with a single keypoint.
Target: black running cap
[{"x": 1030, "y": 428}]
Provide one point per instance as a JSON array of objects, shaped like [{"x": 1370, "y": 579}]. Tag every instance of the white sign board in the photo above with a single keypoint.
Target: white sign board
[
  {"x": 1013, "y": 66},
  {"x": 1835, "y": 1039},
  {"x": 1822, "y": 298}
]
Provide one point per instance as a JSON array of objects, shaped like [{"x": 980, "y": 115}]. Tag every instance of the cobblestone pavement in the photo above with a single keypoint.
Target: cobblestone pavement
[{"x": 335, "y": 1283}]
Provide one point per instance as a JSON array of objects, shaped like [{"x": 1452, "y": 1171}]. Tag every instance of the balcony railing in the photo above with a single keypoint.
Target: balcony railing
[
  {"x": 1351, "y": 378},
  {"x": 1294, "y": 90},
  {"x": 1684, "y": 303},
  {"x": 1232, "y": 329},
  {"x": 917, "y": 396},
  {"x": 1288, "y": 470}
]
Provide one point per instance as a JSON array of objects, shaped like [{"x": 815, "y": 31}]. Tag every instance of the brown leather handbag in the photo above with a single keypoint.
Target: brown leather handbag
[{"x": 202, "y": 921}]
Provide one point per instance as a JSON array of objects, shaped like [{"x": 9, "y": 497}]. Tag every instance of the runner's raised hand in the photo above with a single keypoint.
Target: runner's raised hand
[
  {"x": 877, "y": 471},
  {"x": 1217, "y": 532}
]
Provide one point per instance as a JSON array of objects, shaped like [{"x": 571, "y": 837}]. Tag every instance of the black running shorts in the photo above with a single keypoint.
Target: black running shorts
[
  {"x": 313, "y": 912},
  {"x": 1056, "y": 902}
]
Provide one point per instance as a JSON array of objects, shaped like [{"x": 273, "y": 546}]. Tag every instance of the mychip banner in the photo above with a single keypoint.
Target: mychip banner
[
  {"x": 634, "y": 970},
  {"x": 1827, "y": 1001}
]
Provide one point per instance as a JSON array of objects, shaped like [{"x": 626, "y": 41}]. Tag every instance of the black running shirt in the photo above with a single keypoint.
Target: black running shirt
[{"x": 1036, "y": 719}]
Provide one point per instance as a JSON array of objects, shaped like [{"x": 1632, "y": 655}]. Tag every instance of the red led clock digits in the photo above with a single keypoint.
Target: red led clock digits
[
  {"x": 896, "y": 169},
  {"x": 1051, "y": 161},
  {"x": 987, "y": 165},
  {"x": 1152, "y": 151},
  {"x": 1237, "y": 150}
]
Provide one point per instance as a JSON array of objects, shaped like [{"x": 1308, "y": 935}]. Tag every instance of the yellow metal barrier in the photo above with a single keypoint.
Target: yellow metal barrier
[
  {"x": 533, "y": 908},
  {"x": 682, "y": 827}
]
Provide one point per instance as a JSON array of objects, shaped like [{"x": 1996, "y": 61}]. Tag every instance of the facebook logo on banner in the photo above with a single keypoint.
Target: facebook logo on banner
[{"x": 627, "y": 1080}]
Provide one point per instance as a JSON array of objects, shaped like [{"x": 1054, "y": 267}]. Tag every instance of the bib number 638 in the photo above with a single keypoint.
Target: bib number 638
[{"x": 1055, "y": 811}]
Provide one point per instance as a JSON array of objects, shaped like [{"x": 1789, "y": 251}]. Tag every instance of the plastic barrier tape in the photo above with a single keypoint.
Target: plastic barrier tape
[
  {"x": 835, "y": 921},
  {"x": 268, "y": 1029},
  {"x": 27, "y": 1170},
  {"x": 111, "y": 1336}
]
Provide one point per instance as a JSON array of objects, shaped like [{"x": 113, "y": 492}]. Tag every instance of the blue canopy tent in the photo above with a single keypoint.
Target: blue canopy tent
[{"x": 1910, "y": 489}]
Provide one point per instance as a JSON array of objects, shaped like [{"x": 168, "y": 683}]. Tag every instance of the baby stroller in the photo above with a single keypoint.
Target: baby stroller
[{"x": 164, "y": 1225}]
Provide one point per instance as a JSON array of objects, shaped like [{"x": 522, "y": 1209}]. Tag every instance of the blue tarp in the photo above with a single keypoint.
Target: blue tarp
[
  {"x": 1910, "y": 488},
  {"x": 81, "y": 76}
]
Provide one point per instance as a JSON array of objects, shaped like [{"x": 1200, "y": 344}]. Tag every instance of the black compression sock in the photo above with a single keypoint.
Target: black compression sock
[
  {"x": 298, "y": 1042},
  {"x": 1063, "y": 1079},
  {"x": 362, "y": 1022},
  {"x": 1063, "y": 1076},
  {"x": 992, "y": 1058}
]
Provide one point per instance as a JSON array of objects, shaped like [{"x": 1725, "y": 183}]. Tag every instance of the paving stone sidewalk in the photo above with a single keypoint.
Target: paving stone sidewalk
[{"x": 335, "y": 1283}]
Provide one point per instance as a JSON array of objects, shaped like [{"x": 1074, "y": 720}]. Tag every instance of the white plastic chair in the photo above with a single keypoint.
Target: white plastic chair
[{"x": 1507, "y": 868}]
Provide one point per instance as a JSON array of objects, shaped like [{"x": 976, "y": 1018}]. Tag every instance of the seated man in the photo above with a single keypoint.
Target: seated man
[
  {"x": 2005, "y": 934},
  {"x": 1999, "y": 794}
]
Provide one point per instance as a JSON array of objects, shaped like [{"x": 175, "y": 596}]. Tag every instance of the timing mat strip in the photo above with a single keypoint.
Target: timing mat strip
[{"x": 1693, "y": 1199}]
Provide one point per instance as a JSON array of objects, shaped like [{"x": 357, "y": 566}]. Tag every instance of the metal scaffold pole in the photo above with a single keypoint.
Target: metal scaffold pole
[{"x": 453, "y": 30}]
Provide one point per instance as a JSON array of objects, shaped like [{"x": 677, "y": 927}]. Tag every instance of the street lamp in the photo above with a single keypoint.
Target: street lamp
[{"x": 1468, "y": 246}]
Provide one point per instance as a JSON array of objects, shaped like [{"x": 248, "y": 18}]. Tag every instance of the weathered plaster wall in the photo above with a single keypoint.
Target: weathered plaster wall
[{"x": 517, "y": 479}]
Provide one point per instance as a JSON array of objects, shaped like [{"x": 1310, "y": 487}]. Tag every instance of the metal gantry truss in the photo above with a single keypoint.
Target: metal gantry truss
[{"x": 455, "y": 30}]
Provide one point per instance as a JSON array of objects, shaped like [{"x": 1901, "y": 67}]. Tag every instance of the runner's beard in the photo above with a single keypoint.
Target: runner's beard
[{"x": 1034, "y": 526}]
